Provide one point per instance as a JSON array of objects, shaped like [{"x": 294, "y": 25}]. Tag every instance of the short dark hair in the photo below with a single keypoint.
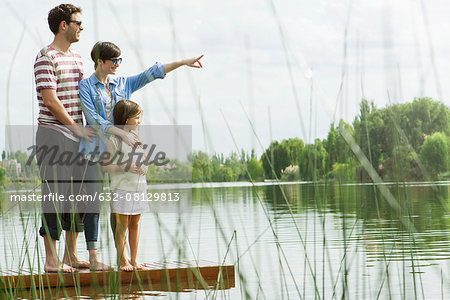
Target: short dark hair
[
  {"x": 104, "y": 51},
  {"x": 62, "y": 12}
]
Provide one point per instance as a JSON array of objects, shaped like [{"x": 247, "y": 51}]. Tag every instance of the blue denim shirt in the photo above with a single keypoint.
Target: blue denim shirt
[{"x": 93, "y": 98}]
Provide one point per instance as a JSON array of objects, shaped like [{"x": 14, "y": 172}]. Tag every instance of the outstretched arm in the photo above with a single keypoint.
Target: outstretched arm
[{"x": 190, "y": 62}]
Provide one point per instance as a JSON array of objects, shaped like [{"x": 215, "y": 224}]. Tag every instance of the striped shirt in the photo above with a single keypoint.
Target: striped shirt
[{"x": 60, "y": 72}]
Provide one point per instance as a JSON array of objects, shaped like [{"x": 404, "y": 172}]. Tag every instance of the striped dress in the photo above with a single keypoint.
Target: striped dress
[{"x": 60, "y": 72}]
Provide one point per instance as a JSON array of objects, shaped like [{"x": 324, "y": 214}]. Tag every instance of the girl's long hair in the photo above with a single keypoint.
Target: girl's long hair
[{"x": 122, "y": 111}]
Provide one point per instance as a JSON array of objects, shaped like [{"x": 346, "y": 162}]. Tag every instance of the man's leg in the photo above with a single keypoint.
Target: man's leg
[
  {"x": 51, "y": 212},
  {"x": 50, "y": 231}
]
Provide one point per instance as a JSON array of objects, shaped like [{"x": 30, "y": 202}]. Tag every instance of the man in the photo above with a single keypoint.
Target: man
[{"x": 58, "y": 69}]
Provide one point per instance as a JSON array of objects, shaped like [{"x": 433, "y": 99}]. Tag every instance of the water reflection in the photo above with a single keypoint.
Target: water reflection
[
  {"x": 294, "y": 236},
  {"x": 421, "y": 227},
  {"x": 125, "y": 291},
  {"x": 426, "y": 206}
]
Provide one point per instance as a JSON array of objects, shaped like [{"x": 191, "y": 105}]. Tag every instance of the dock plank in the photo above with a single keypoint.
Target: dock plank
[{"x": 194, "y": 276}]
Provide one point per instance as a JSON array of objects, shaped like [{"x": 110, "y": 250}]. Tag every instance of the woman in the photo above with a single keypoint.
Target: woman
[{"x": 99, "y": 93}]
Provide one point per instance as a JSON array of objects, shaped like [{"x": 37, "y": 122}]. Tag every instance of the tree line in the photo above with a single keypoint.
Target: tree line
[{"x": 401, "y": 142}]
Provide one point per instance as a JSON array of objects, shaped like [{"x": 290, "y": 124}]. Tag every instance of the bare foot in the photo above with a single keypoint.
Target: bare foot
[
  {"x": 60, "y": 268},
  {"x": 75, "y": 262},
  {"x": 126, "y": 266},
  {"x": 99, "y": 266},
  {"x": 139, "y": 266}
]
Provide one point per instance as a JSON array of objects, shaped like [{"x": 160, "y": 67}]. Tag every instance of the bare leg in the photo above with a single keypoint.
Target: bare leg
[
  {"x": 133, "y": 239},
  {"x": 52, "y": 263},
  {"x": 95, "y": 263},
  {"x": 121, "y": 229},
  {"x": 113, "y": 220},
  {"x": 70, "y": 253}
]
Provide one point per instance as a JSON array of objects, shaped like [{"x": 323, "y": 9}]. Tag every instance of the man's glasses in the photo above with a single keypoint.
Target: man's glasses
[
  {"x": 116, "y": 61},
  {"x": 76, "y": 22}
]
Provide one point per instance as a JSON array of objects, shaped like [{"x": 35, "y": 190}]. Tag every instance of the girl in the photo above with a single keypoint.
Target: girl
[{"x": 128, "y": 184}]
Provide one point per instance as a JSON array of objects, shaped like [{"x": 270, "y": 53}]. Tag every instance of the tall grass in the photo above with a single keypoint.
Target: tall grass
[{"x": 326, "y": 239}]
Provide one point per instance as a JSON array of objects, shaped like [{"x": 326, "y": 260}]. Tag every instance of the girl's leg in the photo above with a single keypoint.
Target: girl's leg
[
  {"x": 113, "y": 220},
  {"x": 133, "y": 239},
  {"x": 120, "y": 231}
]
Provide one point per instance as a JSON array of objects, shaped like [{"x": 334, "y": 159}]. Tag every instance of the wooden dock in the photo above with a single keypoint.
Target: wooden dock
[{"x": 170, "y": 276}]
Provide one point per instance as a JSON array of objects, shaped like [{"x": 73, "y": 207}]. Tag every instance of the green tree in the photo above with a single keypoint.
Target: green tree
[
  {"x": 312, "y": 161},
  {"x": 435, "y": 153},
  {"x": 201, "y": 167},
  {"x": 237, "y": 165},
  {"x": 344, "y": 171},
  {"x": 255, "y": 169},
  {"x": 336, "y": 146},
  {"x": 2, "y": 178},
  {"x": 370, "y": 132},
  {"x": 275, "y": 159},
  {"x": 294, "y": 147}
]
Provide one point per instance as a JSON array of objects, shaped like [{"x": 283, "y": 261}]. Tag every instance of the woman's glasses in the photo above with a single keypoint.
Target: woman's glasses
[{"x": 116, "y": 61}]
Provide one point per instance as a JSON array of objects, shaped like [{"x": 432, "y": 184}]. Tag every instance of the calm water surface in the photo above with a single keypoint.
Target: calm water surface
[{"x": 291, "y": 241}]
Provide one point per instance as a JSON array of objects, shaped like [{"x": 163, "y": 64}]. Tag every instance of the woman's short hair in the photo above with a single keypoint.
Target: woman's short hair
[
  {"x": 62, "y": 12},
  {"x": 104, "y": 51}
]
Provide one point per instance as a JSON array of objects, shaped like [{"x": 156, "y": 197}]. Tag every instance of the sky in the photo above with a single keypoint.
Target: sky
[{"x": 272, "y": 69}]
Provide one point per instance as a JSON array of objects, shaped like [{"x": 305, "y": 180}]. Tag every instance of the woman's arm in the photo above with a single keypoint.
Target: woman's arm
[
  {"x": 190, "y": 62},
  {"x": 95, "y": 118},
  {"x": 133, "y": 83},
  {"x": 127, "y": 137}
]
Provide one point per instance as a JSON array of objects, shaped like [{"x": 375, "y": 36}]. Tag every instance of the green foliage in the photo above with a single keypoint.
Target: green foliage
[
  {"x": 275, "y": 159},
  {"x": 175, "y": 171},
  {"x": 312, "y": 161},
  {"x": 294, "y": 148},
  {"x": 201, "y": 167},
  {"x": 369, "y": 132},
  {"x": 336, "y": 146},
  {"x": 435, "y": 154},
  {"x": 391, "y": 138},
  {"x": 237, "y": 166},
  {"x": 290, "y": 173},
  {"x": 2, "y": 178},
  {"x": 255, "y": 169},
  {"x": 344, "y": 171}
]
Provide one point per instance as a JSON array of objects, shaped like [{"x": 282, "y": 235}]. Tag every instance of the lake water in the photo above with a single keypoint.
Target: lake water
[{"x": 290, "y": 241}]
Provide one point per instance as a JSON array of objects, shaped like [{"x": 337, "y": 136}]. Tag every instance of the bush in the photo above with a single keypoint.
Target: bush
[{"x": 290, "y": 173}]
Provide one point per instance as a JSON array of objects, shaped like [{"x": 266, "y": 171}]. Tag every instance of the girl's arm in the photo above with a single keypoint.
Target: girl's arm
[
  {"x": 107, "y": 165},
  {"x": 110, "y": 167}
]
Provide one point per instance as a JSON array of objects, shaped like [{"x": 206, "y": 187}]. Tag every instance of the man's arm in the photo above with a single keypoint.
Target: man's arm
[
  {"x": 55, "y": 106},
  {"x": 190, "y": 62},
  {"x": 57, "y": 109}
]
